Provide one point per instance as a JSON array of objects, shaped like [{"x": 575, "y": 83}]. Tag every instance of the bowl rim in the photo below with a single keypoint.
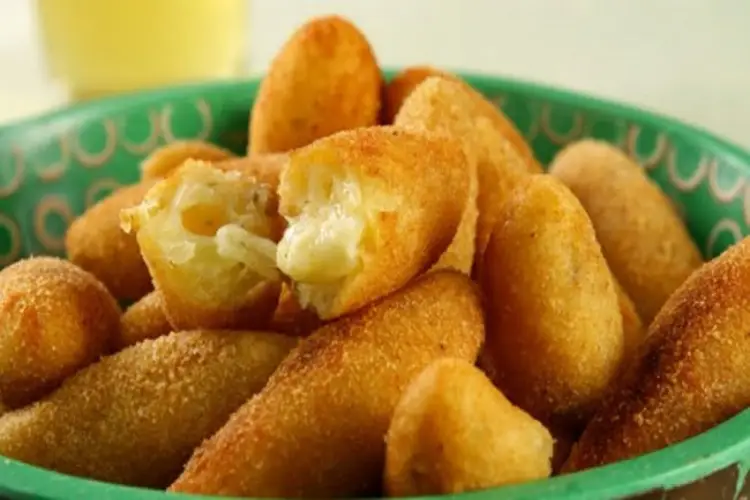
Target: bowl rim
[{"x": 722, "y": 446}]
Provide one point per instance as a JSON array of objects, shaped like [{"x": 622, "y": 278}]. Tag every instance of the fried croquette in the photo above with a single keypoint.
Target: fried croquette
[
  {"x": 208, "y": 237},
  {"x": 643, "y": 238},
  {"x": 317, "y": 428},
  {"x": 453, "y": 431},
  {"x": 265, "y": 168},
  {"x": 134, "y": 417},
  {"x": 437, "y": 115},
  {"x": 554, "y": 331},
  {"x": 143, "y": 320},
  {"x": 448, "y": 107},
  {"x": 291, "y": 318},
  {"x": 367, "y": 211},
  {"x": 325, "y": 79},
  {"x": 164, "y": 160},
  {"x": 402, "y": 85},
  {"x": 95, "y": 242},
  {"x": 55, "y": 318},
  {"x": 692, "y": 372}
]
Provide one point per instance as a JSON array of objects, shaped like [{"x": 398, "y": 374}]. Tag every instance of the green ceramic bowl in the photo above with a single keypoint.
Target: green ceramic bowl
[{"x": 53, "y": 167}]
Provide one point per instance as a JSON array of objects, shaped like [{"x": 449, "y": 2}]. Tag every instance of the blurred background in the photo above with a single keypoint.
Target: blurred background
[{"x": 686, "y": 58}]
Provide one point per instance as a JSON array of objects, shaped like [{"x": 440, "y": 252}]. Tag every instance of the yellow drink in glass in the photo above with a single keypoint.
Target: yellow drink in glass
[{"x": 102, "y": 47}]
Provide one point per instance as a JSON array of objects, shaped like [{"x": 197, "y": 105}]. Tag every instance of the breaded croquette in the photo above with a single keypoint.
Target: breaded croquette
[
  {"x": 317, "y": 428},
  {"x": 405, "y": 82},
  {"x": 208, "y": 237},
  {"x": 643, "y": 238},
  {"x": 96, "y": 243},
  {"x": 401, "y": 86},
  {"x": 433, "y": 111},
  {"x": 453, "y": 431},
  {"x": 134, "y": 417},
  {"x": 164, "y": 160},
  {"x": 448, "y": 107},
  {"x": 55, "y": 318},
  {"x": 143, "y": 320},
  {"x": 265, "y": 168},
  {"x": 554, "y": 330},
  {"x": 324, "y": 79},
  {"x": 692, "y": 373},
  {"x": 367, "y": 211}
]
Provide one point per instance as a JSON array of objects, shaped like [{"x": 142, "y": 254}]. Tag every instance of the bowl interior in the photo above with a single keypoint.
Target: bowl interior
[{"x": 53, "y": 167}]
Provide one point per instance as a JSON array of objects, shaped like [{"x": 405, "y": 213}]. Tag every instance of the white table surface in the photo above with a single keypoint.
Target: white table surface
[{"x": 685, "y": 58}]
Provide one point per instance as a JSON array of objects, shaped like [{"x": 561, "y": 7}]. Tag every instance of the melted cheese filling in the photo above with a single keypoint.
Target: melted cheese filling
[
  {"x": 210, "y": 226},
  {"x": 322, "y": 244}
]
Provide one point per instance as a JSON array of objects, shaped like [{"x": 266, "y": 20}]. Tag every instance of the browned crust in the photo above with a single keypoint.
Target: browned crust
[
  {"x": 54, "y": 319},
  {"x": 324, "y": 79},
  {"x": 143, "y": 320},
  {"x": 317, "y": 428},
  {"x": 644, "y": 240},
  {"x": 135, "y": 417},
  {"x": 95, "y": 242},
  {"x": 692, "y": 373},
  {"x": 424, "y": 174},
  {"x": 164, "y": 160},
  {"x": 554, "y": 333}
]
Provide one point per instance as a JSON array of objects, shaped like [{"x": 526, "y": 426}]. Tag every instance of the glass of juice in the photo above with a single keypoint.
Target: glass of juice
[{"x": 101, "y": 47}]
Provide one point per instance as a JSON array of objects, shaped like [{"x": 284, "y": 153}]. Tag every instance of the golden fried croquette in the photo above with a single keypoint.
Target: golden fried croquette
[
  {"x": 265, "y": 168},
  {"x": 96, "y": 243},
  {"x": 55, "y": 318},
  {"x": 646, "y": 244},
  {"x": 208, "y": 237},
  {"x": 435, "y": 114},
  {"x": 143, "y": 320},
  {"x": 405, "y": 82},
  {"x": 367, "y": 210},
  {"x": 453, "y": 431},
  {"x": 554, "y": 331},
  {"x": 317, "y": 428},
  {"x": 633, "y": 330},
  {"x": 692, "y": 372},
  {"x": 291, "y": 318},
  {"x": 324, "y": 79},
  {"x": 398, "y": 89},
  {"x": 164, "y": 160},
  {"x": 134, "y": 417},
  {"x": 448, "y": 107}
]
